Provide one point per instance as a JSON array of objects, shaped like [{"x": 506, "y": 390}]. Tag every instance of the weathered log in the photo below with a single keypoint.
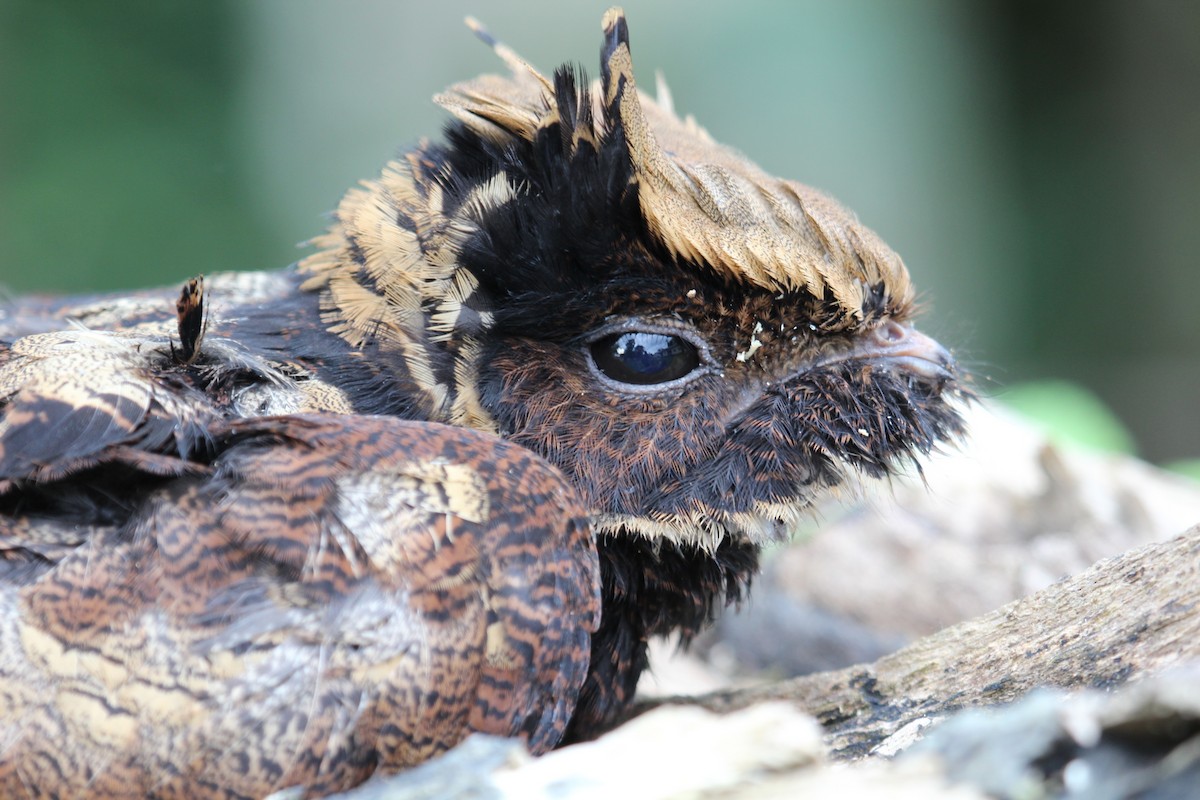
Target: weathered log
[{"x": 1124, "y": 618}]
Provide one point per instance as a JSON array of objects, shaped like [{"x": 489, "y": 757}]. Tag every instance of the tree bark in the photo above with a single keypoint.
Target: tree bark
[{"x": 1125, "y": 617}]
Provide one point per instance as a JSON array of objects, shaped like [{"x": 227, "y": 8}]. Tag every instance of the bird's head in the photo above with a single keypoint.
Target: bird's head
[{"x": 702, "y": 348}]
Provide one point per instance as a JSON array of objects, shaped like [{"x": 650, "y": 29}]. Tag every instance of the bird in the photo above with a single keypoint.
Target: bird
[{"x": 544, "y": 389}]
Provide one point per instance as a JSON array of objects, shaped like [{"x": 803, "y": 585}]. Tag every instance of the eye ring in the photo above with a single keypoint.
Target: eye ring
[{"x": 637, "y": 356}]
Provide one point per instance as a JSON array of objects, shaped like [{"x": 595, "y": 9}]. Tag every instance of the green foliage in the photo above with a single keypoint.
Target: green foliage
[
  {"x": 1188, "y": 467},
  {"x": 1070, "y": 414},
  {"x": 119, "y": 168}
]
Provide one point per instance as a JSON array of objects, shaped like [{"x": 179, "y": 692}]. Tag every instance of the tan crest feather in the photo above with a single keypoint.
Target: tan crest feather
[
  {"x": 704, "y": 202},
  {"x": 709, "y": 204}
]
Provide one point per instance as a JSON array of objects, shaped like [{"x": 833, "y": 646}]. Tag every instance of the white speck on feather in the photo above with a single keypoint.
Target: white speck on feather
[{"x": 754, "y": 344}]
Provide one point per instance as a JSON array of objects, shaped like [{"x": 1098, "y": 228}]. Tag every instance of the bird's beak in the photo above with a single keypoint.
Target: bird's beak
[{"x": 904, "y": 347}]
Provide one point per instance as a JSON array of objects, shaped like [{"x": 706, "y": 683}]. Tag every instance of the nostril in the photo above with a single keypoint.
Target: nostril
[{"x": 891, "y": 332}]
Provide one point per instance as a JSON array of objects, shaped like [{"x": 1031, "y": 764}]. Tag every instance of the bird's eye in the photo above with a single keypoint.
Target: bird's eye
[{"x": 643, "y": 358}]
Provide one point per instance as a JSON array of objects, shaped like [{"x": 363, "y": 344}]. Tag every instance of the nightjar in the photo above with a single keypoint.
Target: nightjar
[{"x": 544, "y": 390}]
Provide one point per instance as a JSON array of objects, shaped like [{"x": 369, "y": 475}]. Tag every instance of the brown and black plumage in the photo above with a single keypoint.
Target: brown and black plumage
[{"x": 543, "y": 391}]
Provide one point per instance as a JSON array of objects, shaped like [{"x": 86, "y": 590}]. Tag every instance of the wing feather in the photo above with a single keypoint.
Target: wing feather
[{"x": 330, "y": 596}]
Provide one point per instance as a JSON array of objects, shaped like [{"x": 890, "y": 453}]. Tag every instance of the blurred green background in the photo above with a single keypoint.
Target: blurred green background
[{"x": 1037, "y": 164}]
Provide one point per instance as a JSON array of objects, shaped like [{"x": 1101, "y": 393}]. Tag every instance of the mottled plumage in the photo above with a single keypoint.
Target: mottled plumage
[{"x": 543, "y": 391}]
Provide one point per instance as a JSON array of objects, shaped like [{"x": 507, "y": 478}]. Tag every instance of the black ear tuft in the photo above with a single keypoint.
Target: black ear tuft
[
  {"x": 567, "y": 99},
  {"x": 574, "y": 105}
]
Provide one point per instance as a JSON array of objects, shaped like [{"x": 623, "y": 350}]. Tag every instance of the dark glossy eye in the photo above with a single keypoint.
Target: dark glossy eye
[{"x": 643, "y": 358}]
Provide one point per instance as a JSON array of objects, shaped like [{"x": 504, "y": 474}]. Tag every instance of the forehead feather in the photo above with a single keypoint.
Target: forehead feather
[{"x": 704, "y": 202}]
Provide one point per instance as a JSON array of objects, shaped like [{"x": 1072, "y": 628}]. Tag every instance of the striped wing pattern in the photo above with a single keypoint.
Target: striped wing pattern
[{"x": 193, "y": 603}]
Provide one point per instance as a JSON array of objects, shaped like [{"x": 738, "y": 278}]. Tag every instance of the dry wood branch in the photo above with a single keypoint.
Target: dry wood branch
[{"x": 1125, "y": 617}]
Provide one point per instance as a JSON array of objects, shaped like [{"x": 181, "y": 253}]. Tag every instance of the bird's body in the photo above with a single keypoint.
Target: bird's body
[{"x": 544, "y": 391}]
